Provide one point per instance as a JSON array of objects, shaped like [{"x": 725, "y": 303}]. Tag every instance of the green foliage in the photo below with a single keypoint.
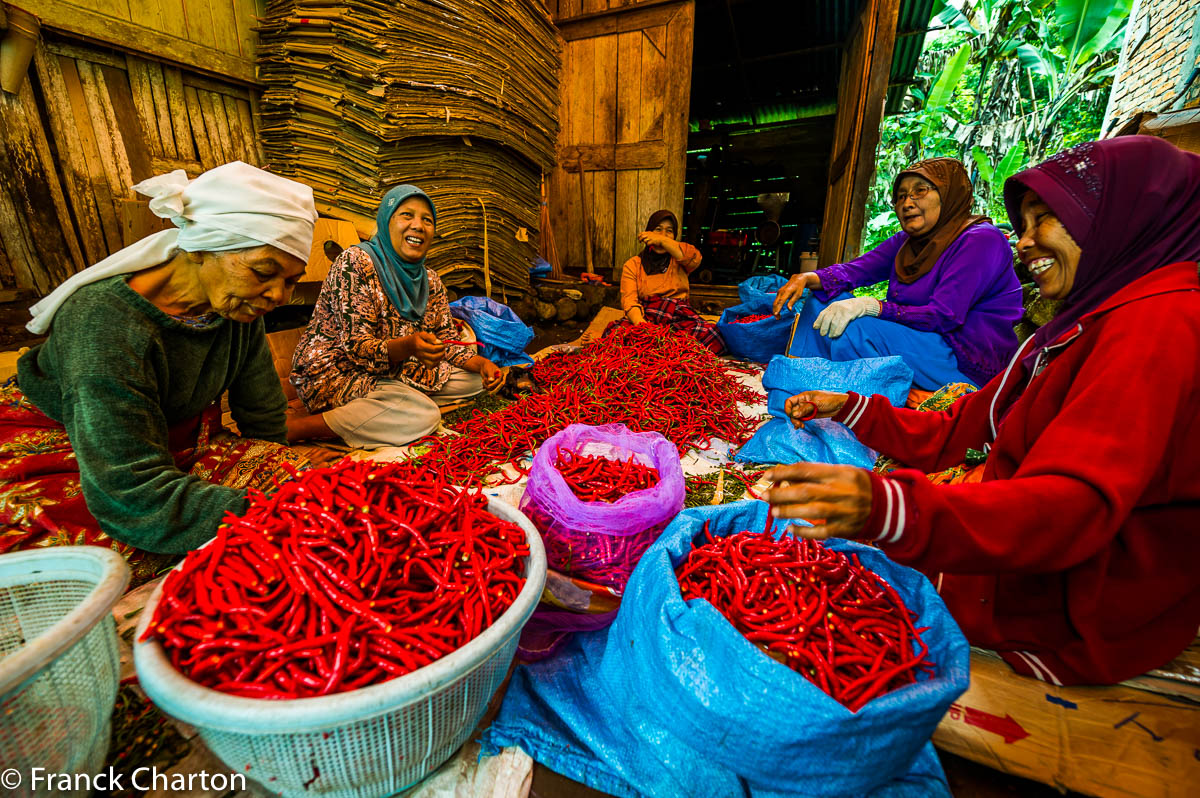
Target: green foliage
[{"x": 1007, "y": 83}]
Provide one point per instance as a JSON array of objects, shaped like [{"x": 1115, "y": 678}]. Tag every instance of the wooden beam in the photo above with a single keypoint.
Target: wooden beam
[
  {"x": 622, "y": 19},
  {"x": 609, "y": 157},
  {"x": 93, "y": 26}
]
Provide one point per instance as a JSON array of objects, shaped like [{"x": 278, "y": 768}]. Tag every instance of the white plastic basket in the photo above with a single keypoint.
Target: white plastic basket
[
  {"x": 365, "y": 743},
  {"x": 60, "y": 663}
]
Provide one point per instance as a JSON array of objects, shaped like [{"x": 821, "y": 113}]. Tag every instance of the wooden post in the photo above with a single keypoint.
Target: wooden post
[{"x": 586, "y": 217}]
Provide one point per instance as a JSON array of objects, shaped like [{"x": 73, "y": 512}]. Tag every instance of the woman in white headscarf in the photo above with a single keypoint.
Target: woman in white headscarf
[{"x": 113, "y": 436}]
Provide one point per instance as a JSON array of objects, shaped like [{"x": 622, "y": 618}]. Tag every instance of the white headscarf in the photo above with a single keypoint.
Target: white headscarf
[{"x": 235, "y": 206}]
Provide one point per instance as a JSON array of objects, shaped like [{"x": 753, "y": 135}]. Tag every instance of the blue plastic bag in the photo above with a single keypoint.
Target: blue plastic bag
[
  {"x": 759, "y": 340},
  {"x": 673, "y": 701},
  {"x": 823, "y": 440},
  {"x": 820, "y": 441},
  {"x": 754, "y": 288},
  {"x": 500, "y": 331},
  {"x": 540, "y": 268},
  {"x": 787, "y": 376}
]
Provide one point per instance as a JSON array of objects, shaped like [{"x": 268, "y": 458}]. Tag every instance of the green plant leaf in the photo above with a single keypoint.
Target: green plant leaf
[
  {"x": 1033, "y": 59},
  {"x": 1009, "y": 165},
  {"x": 983, "y": 163},
  {"x": 1077, "y": 21},
  {"x": 944, "y": 87},
  {"x": 1111, "y": 34},
  {"x": 950, "y": 13}
]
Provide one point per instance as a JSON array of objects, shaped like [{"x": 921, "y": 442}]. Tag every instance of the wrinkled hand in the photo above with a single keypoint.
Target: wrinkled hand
[
  {"x": 833, "y": 320},
  {"x": 836, "y": 498},
  {"x": 790, "y": 291},
  {"x": 492, "y": 376},
  {"x": 428, "y": 349},
  {"x": 824, "y": 402}
]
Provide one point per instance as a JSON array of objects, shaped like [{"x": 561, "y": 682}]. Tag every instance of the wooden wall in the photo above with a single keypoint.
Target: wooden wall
[
  {"x": 88, "y": 124},
  {"x": 862, "y": 91},
  {"x": 623, "y": 113},
  {"x": 210, "y": 36}
]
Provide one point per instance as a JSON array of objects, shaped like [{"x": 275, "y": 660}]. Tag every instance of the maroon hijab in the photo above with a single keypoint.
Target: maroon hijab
[{"x": 1132, "y": 204}]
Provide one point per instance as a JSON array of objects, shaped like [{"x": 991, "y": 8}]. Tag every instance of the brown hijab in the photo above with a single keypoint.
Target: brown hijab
[{"x": 949, "y": 177}]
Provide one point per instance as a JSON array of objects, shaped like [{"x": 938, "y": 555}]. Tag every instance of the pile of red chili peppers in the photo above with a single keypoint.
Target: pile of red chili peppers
[
  {"x": 815, "y": 609},
  {"x": 594, "y": 478},
  {"x": 343, "y": 577},
  {"x": 753, "y": 318},
  {"x": 645, "y": 376}
]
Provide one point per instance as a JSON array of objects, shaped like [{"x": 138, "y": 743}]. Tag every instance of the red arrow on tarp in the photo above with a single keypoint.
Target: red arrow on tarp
[{"x": 1005, "y": 726}]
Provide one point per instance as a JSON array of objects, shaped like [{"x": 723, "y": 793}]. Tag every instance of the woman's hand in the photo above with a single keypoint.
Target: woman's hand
[
  {"x": 488, "y": 371},
  {"x": 428, "y": 349},
  {"x": 635, "y": 315},
  {"x": 832, "y": 321},
  {"x": 799, "y": 408},
  {"x": 835, "y": 498},
  {"x": 652, "y": 239},
  {"x": 792, "y": 289}
]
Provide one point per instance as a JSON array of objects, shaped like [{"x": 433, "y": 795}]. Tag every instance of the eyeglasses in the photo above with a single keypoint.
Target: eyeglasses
[{"x": 917, "y": 192}]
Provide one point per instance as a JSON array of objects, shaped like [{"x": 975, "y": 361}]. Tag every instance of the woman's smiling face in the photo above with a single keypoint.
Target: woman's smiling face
[
  {"x": 411, "y": 229},
  {"x": 1046, "y": 248},
  {"x": 245, "y": 284}
]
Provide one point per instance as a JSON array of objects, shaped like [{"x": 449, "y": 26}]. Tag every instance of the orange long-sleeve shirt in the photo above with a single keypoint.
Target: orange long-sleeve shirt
[{"x": 636, "y": 285}]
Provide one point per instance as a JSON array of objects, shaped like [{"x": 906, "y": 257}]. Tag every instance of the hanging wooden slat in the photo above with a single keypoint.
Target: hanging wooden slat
[
  {"x": 195, "y": 115},
  {"x": 97, "y": 173},
  {"x": 143, "y": 100},
  {"x": 125, "y": 119},
  {"x": 113, "y": 154},
  {"x": 72, "y": 159},
  {"x": 173, "y": 80}
]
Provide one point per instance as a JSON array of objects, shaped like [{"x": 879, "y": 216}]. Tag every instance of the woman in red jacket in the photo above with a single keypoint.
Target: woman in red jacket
[{"x": 1075, "y": 556}]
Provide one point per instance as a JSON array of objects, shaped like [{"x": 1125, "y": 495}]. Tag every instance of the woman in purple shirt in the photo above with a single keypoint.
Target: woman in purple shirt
[{"x": 953, "y": 296}]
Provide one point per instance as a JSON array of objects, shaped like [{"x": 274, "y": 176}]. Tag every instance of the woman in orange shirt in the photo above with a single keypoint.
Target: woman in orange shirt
[{"x": 654, "y": 283}]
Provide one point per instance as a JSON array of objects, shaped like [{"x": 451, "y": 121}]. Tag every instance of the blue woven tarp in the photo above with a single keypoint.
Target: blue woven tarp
[
  {"x": 500, "y": 331},
  {"x": 673, "y": 701}
]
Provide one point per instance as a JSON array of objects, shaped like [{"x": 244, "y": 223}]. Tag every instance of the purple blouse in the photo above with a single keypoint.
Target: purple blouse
[{"x": 971, "y": 296}]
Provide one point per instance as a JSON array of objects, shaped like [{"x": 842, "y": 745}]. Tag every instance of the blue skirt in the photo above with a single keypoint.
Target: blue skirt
[{"x": 926, "y": 353}]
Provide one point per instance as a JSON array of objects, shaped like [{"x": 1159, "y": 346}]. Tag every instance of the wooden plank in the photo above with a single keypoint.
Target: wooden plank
[
  {"x": 604, "y": 133},
  {"x": 162, "y": 109},
  {"x": 613, "y": 157},
  {"x": 199, "y": 131},
  {"x": 253, "y": 150},
  {"x": 224, "y": 25},
  {"x": 121, "y": 99},
  {"x": 128, "y": 37},
  {"x": 247, "y": 21},
  {"x": 243, "y": 145},
  {"x": 30, "y": 228},
  {"x": 148, "y": 14},
  {"x": 71, "y": 156},
  {"x": 623, "y": 19},
  {"x": 160, "y": 166},
  {"x": 209, "y": 120},
  {"x": 85, "y": 54},
  {"x": 200, "y": 25},
  {"x": 650, "y": 195},
  {"x": 679, "y": 43},
  {"x": 573, "y": 67},
  {"x": 627, "y": 221},
  {"x": 221, "y": 124},
  {"x": 97, "y": 175},
  {"x": 654, "y": 87},
  {"x": 143, "y": 102},
  {"x": 138, "y": 221},
  {"x": 177, "y": 107},
  {"x": 112, "y": 142},
  {"x": 219, "y": 86}
]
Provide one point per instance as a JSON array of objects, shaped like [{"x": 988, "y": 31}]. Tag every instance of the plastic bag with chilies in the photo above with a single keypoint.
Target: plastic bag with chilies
[
  {"x": 602, "y": 541},
  {"x": 501, "y": 333},
  {"x": 756, "y": 340},
  {"x": 704, "y": 712}
]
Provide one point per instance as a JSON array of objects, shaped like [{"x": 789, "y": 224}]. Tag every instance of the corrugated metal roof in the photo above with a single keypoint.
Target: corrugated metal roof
[{"x": 753, "y": 55}]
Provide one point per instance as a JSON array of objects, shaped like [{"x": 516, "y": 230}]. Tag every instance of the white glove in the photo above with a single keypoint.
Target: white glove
[{"x": 831, "y": 322}]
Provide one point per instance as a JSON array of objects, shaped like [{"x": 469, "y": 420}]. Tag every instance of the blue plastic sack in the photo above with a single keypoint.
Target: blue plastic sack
[
  {"x": 823, "y": 440},
  {"x": 540, "y": 268},
  {"x": 673, "y": 701},
  {"x": 759, "y": 340},
  {"x": 754, "y": 288},
  {"x": 787, "y": 376},
  {"x": 500, "y": 331}
]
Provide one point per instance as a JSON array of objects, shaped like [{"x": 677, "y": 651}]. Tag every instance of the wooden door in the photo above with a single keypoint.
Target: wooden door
[
  {"x": 623, "y": 117},
  {"x": 862, "y": 91}
]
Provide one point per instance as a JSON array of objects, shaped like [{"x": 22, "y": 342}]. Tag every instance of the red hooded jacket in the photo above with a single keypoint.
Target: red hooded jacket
[{"x": 1077, "y": 555}]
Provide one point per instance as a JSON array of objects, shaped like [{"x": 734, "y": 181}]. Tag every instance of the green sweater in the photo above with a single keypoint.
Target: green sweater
[{"x": 117, "y": 372}]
